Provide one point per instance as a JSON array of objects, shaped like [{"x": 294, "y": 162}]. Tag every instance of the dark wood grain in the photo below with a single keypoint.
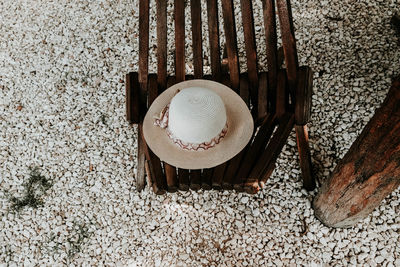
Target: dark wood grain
[
  {"x": 171, "y": 177},
  {"x": 195, "y": 179},
  {"x": 250, "y": 41},
  {"x": 206, "y": 179},
  {"x": 132, "y": 97},
  {"x": 195, "y": 7},
  {"x": 143, "y": 42},
  {"x": 231, "y": 43},
  {"x": 256, "y": 148},
  {"x": 234, "y": 164},
  {"x": 152, "y": 88},
  {"x": 161, "y": 7},
  {"x": 271, "y": 44},
  {"x": 288, "y": 43},
  {"x": 213, "y": 32},
  {"x": 303, "y": 95},
  {"x": 179, "y": 39},
  {"x": 141, "y": 162},
  {"x": 305, "y": 157},
  {"x": 282, "y": 96},
  {"x": 266, "y": 161},
  {"x": 171, "y": 171},
  {"x": 159, "y": 181},
  {"x": 183, "y": 179},
  {"x": 157, "y": 177},
  {"x": 370, "y": 170},
  {"x": 218, "y": 176},
  {"x": 262, "y": 109}
]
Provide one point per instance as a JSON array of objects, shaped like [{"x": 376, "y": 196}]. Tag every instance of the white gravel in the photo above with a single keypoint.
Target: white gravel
[{"x": 62, "y": 108}]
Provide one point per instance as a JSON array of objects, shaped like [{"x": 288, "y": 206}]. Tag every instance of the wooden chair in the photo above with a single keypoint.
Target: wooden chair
[{"x": 280, "y": 99}]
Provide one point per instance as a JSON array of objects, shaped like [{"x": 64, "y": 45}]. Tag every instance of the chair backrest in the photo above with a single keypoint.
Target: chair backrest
[{"x": 265, "y": 93}]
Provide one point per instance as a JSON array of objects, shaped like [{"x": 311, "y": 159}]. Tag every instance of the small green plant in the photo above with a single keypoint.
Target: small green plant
[
  {"x": 103, "y": 119},
  {"x": 80, "y": 235},
  {"x": 35, "y": 188}
]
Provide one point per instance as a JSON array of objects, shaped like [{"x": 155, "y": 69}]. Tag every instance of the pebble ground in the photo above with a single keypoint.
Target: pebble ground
[{"x": 62, "y": 109}]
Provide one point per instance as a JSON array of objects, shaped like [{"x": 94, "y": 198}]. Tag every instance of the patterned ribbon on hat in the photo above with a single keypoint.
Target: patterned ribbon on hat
[{"x": 162, "y": 122}]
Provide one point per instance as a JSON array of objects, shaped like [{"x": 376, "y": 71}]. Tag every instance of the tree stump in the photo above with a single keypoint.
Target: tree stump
[{"x": 368, "y": 172}]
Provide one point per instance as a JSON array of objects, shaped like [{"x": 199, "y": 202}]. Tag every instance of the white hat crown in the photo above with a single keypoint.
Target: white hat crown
[{"x": 196, "y": 115}]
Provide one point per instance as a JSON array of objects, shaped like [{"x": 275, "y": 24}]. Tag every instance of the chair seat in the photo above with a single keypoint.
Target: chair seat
[{"x": 279, "y": 99}]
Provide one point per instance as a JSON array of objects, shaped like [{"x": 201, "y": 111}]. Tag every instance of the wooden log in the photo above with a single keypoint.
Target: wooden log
[
  {"x": 369, "y": 171},
  {"x": 195, "y": 8},
  {"x": 213, "y": 32},
  {"x": 179, "y": 39},
  {"x": 231, "y": 44}
]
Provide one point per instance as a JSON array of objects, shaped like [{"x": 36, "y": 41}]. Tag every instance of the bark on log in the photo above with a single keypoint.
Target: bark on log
[{"x": 369, "y": 171}]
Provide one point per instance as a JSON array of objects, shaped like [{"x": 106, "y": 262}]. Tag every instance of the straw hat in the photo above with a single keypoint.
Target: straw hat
[{"x": 197, "y": 124}]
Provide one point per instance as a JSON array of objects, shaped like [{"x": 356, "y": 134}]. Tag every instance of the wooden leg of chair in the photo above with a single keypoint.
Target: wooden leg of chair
[
  {"x": 140, "y": 175},
  {"x": 305, "y": 157}
]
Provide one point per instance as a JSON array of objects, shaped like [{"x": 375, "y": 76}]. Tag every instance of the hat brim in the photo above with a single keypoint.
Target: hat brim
[{"x": 240, "y": 129}]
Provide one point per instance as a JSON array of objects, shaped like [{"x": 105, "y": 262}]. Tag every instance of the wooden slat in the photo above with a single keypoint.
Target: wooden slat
[
  {"x": 171, "y": 177},
  {"x": 250, "y": 41},
  {"x": 271, "y": 45},
  {"x": 256, "y": 148},
  {"x": 143, "y": 42},
  {"x": 262, "y": 95},
  {"x": 244, "y": 90},
  {"x": 266, "y": 162},
  {"x": 289, "y": 43},
  {"x": 282, "y": 96},
  {"x": 218, "y": 176},
  {"x": 231, "y": 45},
  {"x": 213, "y": 32},
  {"x": 183, "y": 175},
  {"x": 234, "y": 164},
  {"x": 195, "y": 179},
  {"x": 180, "y": 39},
  {"x": 152, "y": 88},
  {"x": 303, "y": 96},
  {"x": 231, "y": 170},
  {"x": 183, "y": 179},
  {"x": 206, "y": 179},
  {"x": 155, "y": 172},
  {"x": 305, "y": 157},
  {"x": 171, "y": 171},
  {"x": 159, "y": 182},
  {"x": 195, "y": 7},
  {"x": 132, "y": 97},
  {"x": 161, "y": 7},
  {"x": 141, "y": 161}
]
